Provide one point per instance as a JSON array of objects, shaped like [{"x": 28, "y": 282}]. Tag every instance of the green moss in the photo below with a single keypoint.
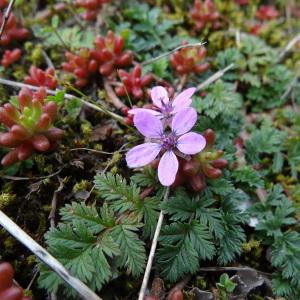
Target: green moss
[
  {"x": 114, "y": 170},
  {"x": 200, "y": 283},
  {"x": 253, "y": 249},
  {"x": 36, "y": 55},
  {"x": 6, "y": 199},
  {"x": 40, "y": 162},
  {"x": 86, "y": 128},
  {"x": 31, "y": 260},
  {"x": 19, "y": 73},
  {"x": 9, "y": 243},
  {"x": 83, "y": 185}
]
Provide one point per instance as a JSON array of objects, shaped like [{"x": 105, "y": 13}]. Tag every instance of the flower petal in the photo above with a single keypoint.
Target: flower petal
[
  {"x": 148, "y": 125},
  {"x": 167, "y": 168},
  {"x": 183, "y": 99},
  {"x": 142, "y": 155},
  {"x": 184, "y": 120},
  {"x": 191, "y": 143},
  {"x": 158, "y": 95},
  {"x": 134, "y": 111}
]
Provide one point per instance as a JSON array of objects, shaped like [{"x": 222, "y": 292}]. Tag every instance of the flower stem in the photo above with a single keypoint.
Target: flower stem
[{"x": 152, "y": 250}]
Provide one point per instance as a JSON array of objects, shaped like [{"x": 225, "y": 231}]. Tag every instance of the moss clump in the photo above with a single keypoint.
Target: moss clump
[
  {"x": 31, "y": 260},
  {"x": 6, "y": 199},
  {"x": 9, "y": 243},
  {"x": 83, "y": 185},
  {"x": 200, "y": 283},
  {"x": 86, "y": 129},
  {"x": 35, "y": 53}
]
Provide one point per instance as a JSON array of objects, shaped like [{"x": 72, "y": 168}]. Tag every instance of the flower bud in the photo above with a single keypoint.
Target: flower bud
[{"x": 210, "y": 136}]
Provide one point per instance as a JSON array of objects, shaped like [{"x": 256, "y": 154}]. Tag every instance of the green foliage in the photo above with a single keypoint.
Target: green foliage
[
  {"x": 209, "y": 230},
  {"x": 249, "y": 176},
  {"x": 274, "y": 216},
  {"x": 268, "y": 93},
  {"x": 257, "y": 68},
  {"x": 73, "y": 36},
  {"x": 147, "y": 29},
  {"x": 91, "y": 242},
  {"x": 265, "y": 140},
  {"x": 126, "y": 198},
  {"x": 221, "y": 99},
  {"x": 225, "y": 286},
  {"x": 182, "y": 246}
]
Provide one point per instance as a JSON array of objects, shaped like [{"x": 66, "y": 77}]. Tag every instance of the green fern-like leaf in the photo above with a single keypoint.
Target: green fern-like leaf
[
  {"x": 115, "y": 189},
  {"x": 231, "y": 242},
  {"x": 132, "y": 248},
  {"x": 183, "y": 246}
]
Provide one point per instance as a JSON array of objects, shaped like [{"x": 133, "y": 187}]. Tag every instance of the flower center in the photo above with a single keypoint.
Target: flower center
[{"x": 169, "y": 141}]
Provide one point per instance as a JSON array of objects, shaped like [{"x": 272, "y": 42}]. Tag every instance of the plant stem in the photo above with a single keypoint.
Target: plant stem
[
  {"x": 288, "y": 47},
  {"x": 152, "y": 250},
  {"x": 152, "y": 60},
  {"x": 47, "y": 258},
  {"x": 214, "y": 77}
]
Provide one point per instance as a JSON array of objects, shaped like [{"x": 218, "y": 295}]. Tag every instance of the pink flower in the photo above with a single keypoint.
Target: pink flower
[
  {"x": 165, "y": 107},
  {"x": 178, "y": 140}
]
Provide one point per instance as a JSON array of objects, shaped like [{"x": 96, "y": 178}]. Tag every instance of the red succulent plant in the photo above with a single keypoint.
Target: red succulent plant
[
  {"x": 81, "y": 65},
  {"x": 10, "y": 57},
  {"x": 12, "y": 31},
  {"x": 189, "y": 60},
  {"x": 29, "y": 126},
  {"x": 8, "y": 290},
  {"x": 3, "y": 3},
  {"x": 242, "y": 2},
  {"x": 42, "y": 78},
  {"x": 133, "y": 83},
  {"x": 204, "y": 13},
  {"x": 267, "y": 12},
  {"x": 92, "y": 7},
  {"x": 109, "y": 53}
]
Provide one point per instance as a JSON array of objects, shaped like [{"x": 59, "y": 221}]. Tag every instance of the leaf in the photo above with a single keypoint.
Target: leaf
[
  {"x": 221, "y": 99},
  {"x": 132, "y": 248},
  {"x": 230, "y": 243},
  {"x": 58, "y": 98},
  {"x": 286, "y": 254},
  {"x": 249, "y": 176},
  {"x": 115, "y": 190},
  {"x": 81, "y": 252},
  {"x": 81, "y": 212},
  {"x": 182, "y": 247},
  {"x": 150, "y": 211}
]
